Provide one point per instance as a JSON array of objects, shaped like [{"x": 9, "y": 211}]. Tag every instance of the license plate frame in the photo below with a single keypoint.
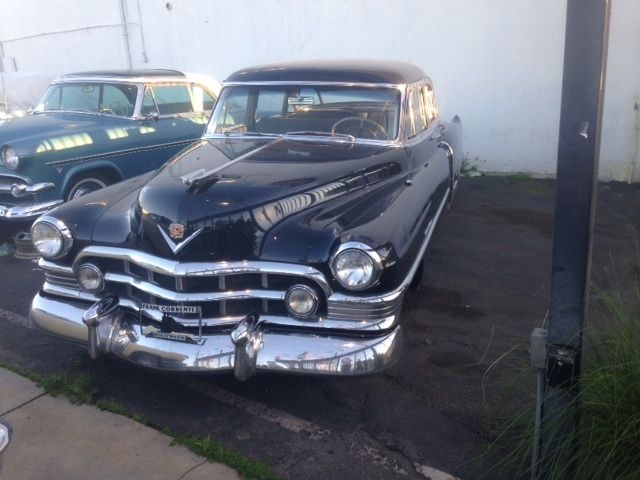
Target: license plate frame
[{"x": 152, "y": 331}]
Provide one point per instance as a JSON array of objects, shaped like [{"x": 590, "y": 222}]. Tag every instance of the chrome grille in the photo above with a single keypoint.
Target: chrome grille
[
  {"x": 61, "y": 279},
  {"x": 226, "y": 291}
]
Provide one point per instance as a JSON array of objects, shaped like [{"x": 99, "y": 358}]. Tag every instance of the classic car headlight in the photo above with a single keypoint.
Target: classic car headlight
[
  {"x": 356, "y": 266},
  {"x": 9, "y": 158},
  {"x": 90, "y": 278},
  {"x": 301, "y": 301},
  {"x": 51, "y": 237}
]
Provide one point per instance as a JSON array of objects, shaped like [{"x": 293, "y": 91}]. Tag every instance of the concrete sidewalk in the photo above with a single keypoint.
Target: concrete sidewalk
[{"x": 57, "y": 440}]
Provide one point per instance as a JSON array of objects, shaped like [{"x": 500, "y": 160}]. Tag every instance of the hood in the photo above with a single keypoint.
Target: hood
[
  {"x": 244, "y": 188},
  {"x": 52, "y": 124}
]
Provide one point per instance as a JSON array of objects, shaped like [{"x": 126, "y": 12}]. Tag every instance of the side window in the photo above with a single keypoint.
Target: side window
[
  {"x": 415, "y": 116},
  {"x": 269, "y": 103},
  {"x": 148, "y": 103},
  {"x": 80, "y": 97},
  {"x": 233, "y": 116},
  {"x": 430, "y": 103},
  {"x": 202, "y": 100},
  {"x": 417, "y": 110},
  {"x": 172, "y": 99},
  {"x": 119, "y": 100}
]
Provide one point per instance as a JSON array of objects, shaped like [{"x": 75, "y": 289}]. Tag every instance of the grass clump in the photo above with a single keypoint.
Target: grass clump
[
  {"x": 215, "y": 452},
  {"x": 77, "y": 387},
  {"x": 467, "y": 169},
  {"x": 119, "y": 409},
  {"x": 608, "y": 402}
]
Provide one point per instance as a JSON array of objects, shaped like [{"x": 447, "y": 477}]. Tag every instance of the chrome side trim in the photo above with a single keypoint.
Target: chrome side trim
[
  {"x": 28, "y": 211},
  {"x": 201, "y": 269},
  {"x": 69, "y": 161},
  {"x": 313, "y": 352}
]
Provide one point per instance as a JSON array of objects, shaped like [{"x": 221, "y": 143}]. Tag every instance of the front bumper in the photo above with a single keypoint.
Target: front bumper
[
  {"x": 26, "y": 212},
  {"x": 248, "y": 348}
]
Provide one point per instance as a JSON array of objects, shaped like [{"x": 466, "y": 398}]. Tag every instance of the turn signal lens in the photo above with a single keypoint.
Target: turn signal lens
[
  {"x": 90, "y": 278},
  {"x": 301, "y": 301}
]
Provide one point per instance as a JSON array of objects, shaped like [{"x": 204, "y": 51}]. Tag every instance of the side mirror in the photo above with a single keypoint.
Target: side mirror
[
  {"x": 151, "y": 116},
  {"x": 6, "y": 432}
]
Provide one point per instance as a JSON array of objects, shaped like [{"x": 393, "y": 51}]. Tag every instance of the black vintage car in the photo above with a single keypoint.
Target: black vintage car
[{"x": 285, "y": 240}]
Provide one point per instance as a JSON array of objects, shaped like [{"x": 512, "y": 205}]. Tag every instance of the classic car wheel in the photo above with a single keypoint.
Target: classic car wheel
[
  {"x": 87, "y": 184},
  {"x": 359, "y": 127}
]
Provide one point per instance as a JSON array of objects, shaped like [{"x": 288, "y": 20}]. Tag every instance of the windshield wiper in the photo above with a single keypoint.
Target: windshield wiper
[
  {"x": 249, "y": 134},
  {"x": 322, "y": 134}
]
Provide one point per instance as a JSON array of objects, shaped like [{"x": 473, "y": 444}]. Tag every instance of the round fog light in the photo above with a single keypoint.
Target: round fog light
[
  {"x": 301, "y": 301},
  {"x": 90, "y": 278}
]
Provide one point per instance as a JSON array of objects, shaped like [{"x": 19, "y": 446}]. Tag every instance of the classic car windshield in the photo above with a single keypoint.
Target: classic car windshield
[
  {"x": 359, "y": 112},
  {"x": 108, "y": 98}
]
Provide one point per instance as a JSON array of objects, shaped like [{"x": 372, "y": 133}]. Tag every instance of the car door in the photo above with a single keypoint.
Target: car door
[
  {"x": 429, "y": 161},
  {"x": 173, "y": 116}
]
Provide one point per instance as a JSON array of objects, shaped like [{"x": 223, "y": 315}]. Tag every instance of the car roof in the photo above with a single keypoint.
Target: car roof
[
  {"x": 127, "y": 73},
  {"x": 342, "y": 71}
]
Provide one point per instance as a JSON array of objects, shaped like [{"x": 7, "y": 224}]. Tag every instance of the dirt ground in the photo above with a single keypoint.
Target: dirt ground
[{"x": 486, "y": 285}]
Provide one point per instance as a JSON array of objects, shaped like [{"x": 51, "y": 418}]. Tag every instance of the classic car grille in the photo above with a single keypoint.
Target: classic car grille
[{"x": 226, "y": 292}]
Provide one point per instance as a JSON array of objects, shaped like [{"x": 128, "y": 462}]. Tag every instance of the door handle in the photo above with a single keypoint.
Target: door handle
[
  {"x": 426, "y": 165},
  {"x": 436, "y": 136}
]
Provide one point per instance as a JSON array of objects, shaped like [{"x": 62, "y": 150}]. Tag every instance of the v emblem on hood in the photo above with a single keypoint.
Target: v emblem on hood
[{"x": 176, "y": 247}]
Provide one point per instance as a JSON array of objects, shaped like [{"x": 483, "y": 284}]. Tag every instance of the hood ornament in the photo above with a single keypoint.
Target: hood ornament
[{"x": 176, "y": 232}]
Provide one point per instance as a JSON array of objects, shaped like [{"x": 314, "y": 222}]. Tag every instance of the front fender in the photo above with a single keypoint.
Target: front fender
[{"x": 80, "y": 169}]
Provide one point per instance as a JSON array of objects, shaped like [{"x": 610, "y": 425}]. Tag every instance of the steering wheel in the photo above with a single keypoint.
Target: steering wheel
[{"x": 359, "y": 127}]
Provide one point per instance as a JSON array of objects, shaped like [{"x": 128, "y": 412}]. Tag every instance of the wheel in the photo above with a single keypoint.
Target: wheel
[
  {"x": 86, "y": 184},
  {"x": 358, "y": 127}
]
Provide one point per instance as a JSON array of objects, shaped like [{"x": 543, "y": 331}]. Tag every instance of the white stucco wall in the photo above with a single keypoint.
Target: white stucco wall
[{"x": 496, "y": 63}]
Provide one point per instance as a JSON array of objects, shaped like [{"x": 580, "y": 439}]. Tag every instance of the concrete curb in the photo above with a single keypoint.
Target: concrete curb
[{"x": 55, "y": 439}]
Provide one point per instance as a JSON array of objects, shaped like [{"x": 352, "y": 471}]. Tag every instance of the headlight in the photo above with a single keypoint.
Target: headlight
[
  {"x": 90, "y": 278},
  {"x": 10, "y": 158},
  {"x": 51, "y": 237},
  {"x": 301, "y": 301},
  {"x": 356, "y": 266}
]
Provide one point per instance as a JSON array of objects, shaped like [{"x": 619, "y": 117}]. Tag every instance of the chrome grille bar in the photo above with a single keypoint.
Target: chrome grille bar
[
  {"x": 160, "y": 292},
  {"x": 174, "y": 268}
]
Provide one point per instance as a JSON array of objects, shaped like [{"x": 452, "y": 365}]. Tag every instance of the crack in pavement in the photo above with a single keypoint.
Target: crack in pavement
[
  {"x": 11, "y": 410},
  {"x": 181, "y": 477}
]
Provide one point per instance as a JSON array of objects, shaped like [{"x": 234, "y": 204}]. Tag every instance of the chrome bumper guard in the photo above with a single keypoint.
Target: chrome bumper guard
[
  {"x": 25, "y": 212},
  {"x": 251, "y": 346}
]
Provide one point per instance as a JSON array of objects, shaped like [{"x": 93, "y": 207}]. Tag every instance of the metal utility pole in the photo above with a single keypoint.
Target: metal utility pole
[{"x": 586, "y": 37}]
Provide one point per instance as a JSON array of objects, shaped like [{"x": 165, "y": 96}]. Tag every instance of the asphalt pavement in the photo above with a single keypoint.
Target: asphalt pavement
[{"x": 485, "y": 286}]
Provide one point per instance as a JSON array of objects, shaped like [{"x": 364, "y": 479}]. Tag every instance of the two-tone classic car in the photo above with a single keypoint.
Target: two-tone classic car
[
  {"x": 284, "y": 240},
  {"x": 94, "y": 129}
]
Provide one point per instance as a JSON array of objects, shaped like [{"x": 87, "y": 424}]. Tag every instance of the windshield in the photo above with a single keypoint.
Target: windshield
[
  {"x": 107, "y": 98},
  {"x": 359, "y": 112}
]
